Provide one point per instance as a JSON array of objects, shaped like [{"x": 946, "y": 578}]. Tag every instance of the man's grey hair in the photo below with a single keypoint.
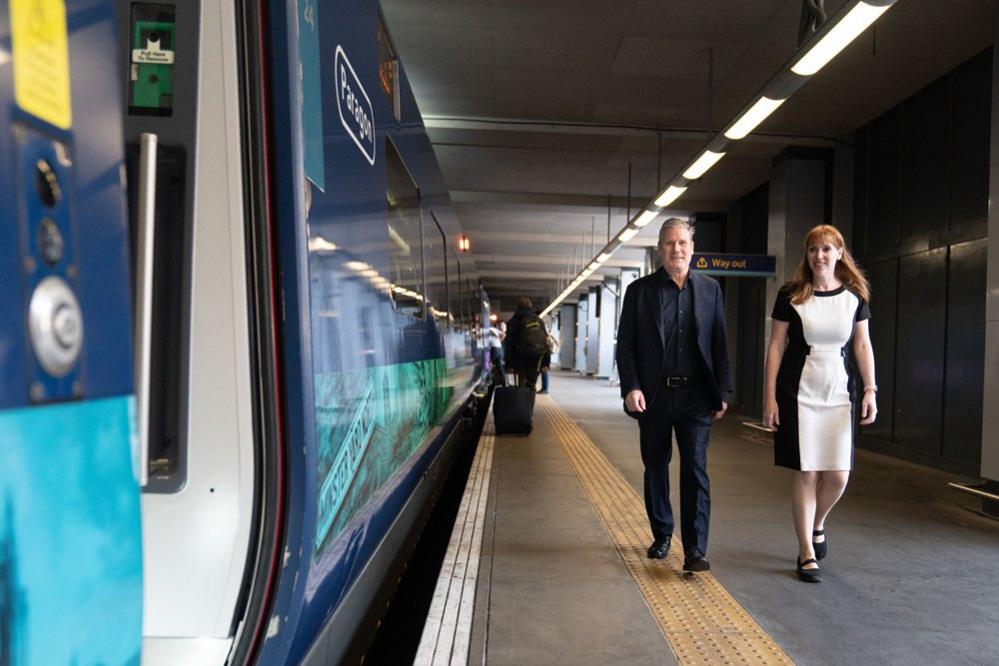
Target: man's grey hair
[{"x": 675, "y": 222}]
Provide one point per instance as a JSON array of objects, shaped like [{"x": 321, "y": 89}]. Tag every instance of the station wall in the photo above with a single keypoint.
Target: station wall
[{"x": 920, "y": 231}]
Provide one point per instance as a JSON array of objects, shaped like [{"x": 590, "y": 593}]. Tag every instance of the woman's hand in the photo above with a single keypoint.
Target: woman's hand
[
  {"x": 868, "y": 408},
  {"x": 771, "y": 419}
]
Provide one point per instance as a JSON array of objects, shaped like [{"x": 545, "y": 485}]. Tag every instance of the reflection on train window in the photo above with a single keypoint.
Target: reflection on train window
[
  {"x": 405, "y": 236},
  {"x": 388, "y": 70},
  {"x": 437, "y": 273}
]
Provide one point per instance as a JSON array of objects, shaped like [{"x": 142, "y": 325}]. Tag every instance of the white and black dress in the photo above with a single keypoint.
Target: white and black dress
[{"x": 815, "y": 396}]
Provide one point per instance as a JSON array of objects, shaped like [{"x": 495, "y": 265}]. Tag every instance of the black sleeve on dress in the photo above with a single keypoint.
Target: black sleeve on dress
[
  {"x": 863, "y": 310},
  {"x": 782, "y": 305}
]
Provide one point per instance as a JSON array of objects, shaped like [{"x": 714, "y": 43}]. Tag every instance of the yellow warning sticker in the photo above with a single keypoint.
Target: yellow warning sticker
[{"x": 41, "y": 59}]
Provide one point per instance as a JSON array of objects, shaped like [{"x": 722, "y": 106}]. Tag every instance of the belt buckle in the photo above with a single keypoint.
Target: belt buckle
[{"x": 670, "y": 383}]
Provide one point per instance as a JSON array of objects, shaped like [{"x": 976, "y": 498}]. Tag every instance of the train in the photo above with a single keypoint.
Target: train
[{"x": 240, "y": 347}]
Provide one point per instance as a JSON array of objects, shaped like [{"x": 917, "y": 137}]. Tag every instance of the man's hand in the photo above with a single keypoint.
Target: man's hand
[
  {"x": 635, "y": 401},
  {"x": 721, "y": 412}
]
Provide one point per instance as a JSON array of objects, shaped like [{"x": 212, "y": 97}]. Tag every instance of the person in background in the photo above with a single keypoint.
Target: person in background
[
  {"x": 546, "y": 363},
  {"x": 820, "y": 321},
  {"x": 526, "y": 343},
  {"x": 494, "y": 339}
]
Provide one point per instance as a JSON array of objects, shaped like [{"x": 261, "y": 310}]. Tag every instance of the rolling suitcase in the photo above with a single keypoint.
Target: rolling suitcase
[{"x": 513, "y": 410}]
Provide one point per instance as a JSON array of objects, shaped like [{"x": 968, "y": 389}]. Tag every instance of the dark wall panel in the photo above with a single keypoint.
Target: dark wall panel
[
  {"x": 970, "y": 124},
  {"x": 962, "y": 432},
  {"x": 919, "y": 357},
  {"x": 860, "y": 202},
  {"x": 924, "y": 167},
  {"x": 749, "y": 357},
  {"x": 884, "y": 290},
  {"x": 755, "y": 220},
  {"x": 883, "y": 170}
]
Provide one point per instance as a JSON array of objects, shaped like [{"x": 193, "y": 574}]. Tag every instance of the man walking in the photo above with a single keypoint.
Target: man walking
[{"x": 672, "y": 358}]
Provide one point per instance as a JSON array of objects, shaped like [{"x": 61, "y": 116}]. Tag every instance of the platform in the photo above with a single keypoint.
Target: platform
[{"x": 561, "y": 577}]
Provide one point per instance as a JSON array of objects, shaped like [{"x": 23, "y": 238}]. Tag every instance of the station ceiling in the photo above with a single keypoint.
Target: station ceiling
[{"x": 538, "y": 108}]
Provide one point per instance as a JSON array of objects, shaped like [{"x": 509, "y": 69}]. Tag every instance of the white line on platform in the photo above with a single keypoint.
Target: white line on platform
[{"x": 448, "y": 629}]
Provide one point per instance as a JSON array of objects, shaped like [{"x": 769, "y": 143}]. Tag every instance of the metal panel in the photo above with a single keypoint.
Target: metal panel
[
  {"x": 962, "y": 432},
  {"x": 749, "y": 357},
  {"x": 969, "y": 151},
  {"x": 920, "y": 351},
  {"x": 567, "y": 344},
  {"x": 923, "y": 167},
  {"x": 884, "y": 311},
  {"x": 882, "y": 218}
]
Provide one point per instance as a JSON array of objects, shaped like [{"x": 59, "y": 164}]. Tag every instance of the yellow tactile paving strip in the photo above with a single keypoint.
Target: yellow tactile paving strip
[{"x": 701, "y": 621}]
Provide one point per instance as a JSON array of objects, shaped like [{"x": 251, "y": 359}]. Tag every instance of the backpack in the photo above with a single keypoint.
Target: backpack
[{"x": 533, "y": 337}]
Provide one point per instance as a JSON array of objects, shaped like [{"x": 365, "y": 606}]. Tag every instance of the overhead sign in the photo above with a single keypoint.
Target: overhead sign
[
  {"x": 745, "y": 265},
  {"x": 356, "y": 113}
]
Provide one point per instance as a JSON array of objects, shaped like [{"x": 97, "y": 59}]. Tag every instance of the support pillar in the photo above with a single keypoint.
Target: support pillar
[
  {"x": 798, "y": 202},
  {"x": 606, "y": 327},
  {"x": 567, "y": 337},
  {"x": 592, "y": 331},
  {"x": 581, "y": 315},
  {"x": 990, "y": 415}
]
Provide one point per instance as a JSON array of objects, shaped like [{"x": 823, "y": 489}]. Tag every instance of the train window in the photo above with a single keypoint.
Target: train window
[
  {"x": 405, "y": 236},
  {"x": 388, "y": 69},
  {"x": 437, "y": 273}
]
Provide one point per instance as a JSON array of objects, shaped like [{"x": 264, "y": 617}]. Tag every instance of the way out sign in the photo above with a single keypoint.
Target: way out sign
[{"x": 734, "y": 265}]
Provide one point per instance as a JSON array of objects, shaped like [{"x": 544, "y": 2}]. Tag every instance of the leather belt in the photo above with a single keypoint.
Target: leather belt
[{"x": 674, "y": 381}]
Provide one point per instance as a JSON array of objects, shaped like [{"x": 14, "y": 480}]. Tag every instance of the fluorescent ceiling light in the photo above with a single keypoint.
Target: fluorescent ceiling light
[
  {"x": 754, "y": 116},
  {"x": 834, "y": 41},
  {"x": 702, "y": 164},
  {"x": 628, "y": 234},
  {"x": 602, "y": 257},
  {"x": 646, "y": 217},
  {"x": 671, "y": 194}
]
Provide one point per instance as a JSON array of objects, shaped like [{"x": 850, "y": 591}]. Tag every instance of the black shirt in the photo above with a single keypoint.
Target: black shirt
[{"x": 678, "y": 327}]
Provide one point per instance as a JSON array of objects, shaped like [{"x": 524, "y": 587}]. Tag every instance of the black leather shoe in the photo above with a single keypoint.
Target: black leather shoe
[
  {"x": 809, "y": 575},
  {"x": 820, "y": 548},
  {"x": 658, "y": 549},
  {"x": 695, "y": 562}
]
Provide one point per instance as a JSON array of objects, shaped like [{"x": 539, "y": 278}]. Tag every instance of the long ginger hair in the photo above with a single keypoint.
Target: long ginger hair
[{"x": 847, "y": 271}]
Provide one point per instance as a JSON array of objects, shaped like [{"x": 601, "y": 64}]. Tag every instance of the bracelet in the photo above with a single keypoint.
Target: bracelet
[{"x": 871, "y": 388}]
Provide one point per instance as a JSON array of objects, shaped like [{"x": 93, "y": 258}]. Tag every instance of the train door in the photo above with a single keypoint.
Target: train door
[
  {"x": 70, "y": 536},
  {"x": 201, "y": 508}
]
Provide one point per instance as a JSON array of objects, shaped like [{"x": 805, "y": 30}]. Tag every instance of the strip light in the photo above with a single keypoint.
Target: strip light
[
  {"x": 701, "y": 165},
  {"x": 628, "y": 234},
  {"x": 831, "y": 39},
  {"x": 756, "y": 114},
  {"x": 834, "y": 41},
  {"x": 671, "y": 194},
  {"x": 645, "y": 218}
]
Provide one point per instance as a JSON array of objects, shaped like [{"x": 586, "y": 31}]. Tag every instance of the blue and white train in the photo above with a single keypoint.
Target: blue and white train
[{"x": 238, "y": 343}]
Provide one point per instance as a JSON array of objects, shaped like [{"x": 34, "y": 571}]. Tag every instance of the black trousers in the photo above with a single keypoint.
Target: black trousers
[{"x": 686, "y": 411}]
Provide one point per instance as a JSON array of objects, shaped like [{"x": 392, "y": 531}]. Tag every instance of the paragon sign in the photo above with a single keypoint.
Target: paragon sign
[{"x": 354, "y": 105}]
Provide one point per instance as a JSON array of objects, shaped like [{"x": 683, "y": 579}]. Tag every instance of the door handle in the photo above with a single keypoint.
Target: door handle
[{"x": 145, "y": 236}]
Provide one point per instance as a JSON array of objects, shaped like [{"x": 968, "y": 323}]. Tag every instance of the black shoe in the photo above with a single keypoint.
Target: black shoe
[
  {"x": 695, "y": 562},
  {"x": 658, "y": 549},
  {"x": 809, "y": 575},
  {"x": 821, "y": 548}
]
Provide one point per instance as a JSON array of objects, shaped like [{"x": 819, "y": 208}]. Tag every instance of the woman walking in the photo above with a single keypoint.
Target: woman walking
[{"x": 820, "y": 321}]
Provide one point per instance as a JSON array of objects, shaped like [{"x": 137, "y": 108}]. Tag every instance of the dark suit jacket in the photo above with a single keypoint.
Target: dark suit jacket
[{"x": 641, "y": 341}]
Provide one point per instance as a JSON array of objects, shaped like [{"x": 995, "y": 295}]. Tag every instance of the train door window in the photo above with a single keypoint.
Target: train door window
[
  {"x": 405, "y": 236},
  {"x": 388, "y": 69},
  {"x": 437, "y": 273}
]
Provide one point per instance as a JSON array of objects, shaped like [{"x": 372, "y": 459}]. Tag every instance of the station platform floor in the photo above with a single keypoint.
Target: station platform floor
[{"x": 551, "y": 568}]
